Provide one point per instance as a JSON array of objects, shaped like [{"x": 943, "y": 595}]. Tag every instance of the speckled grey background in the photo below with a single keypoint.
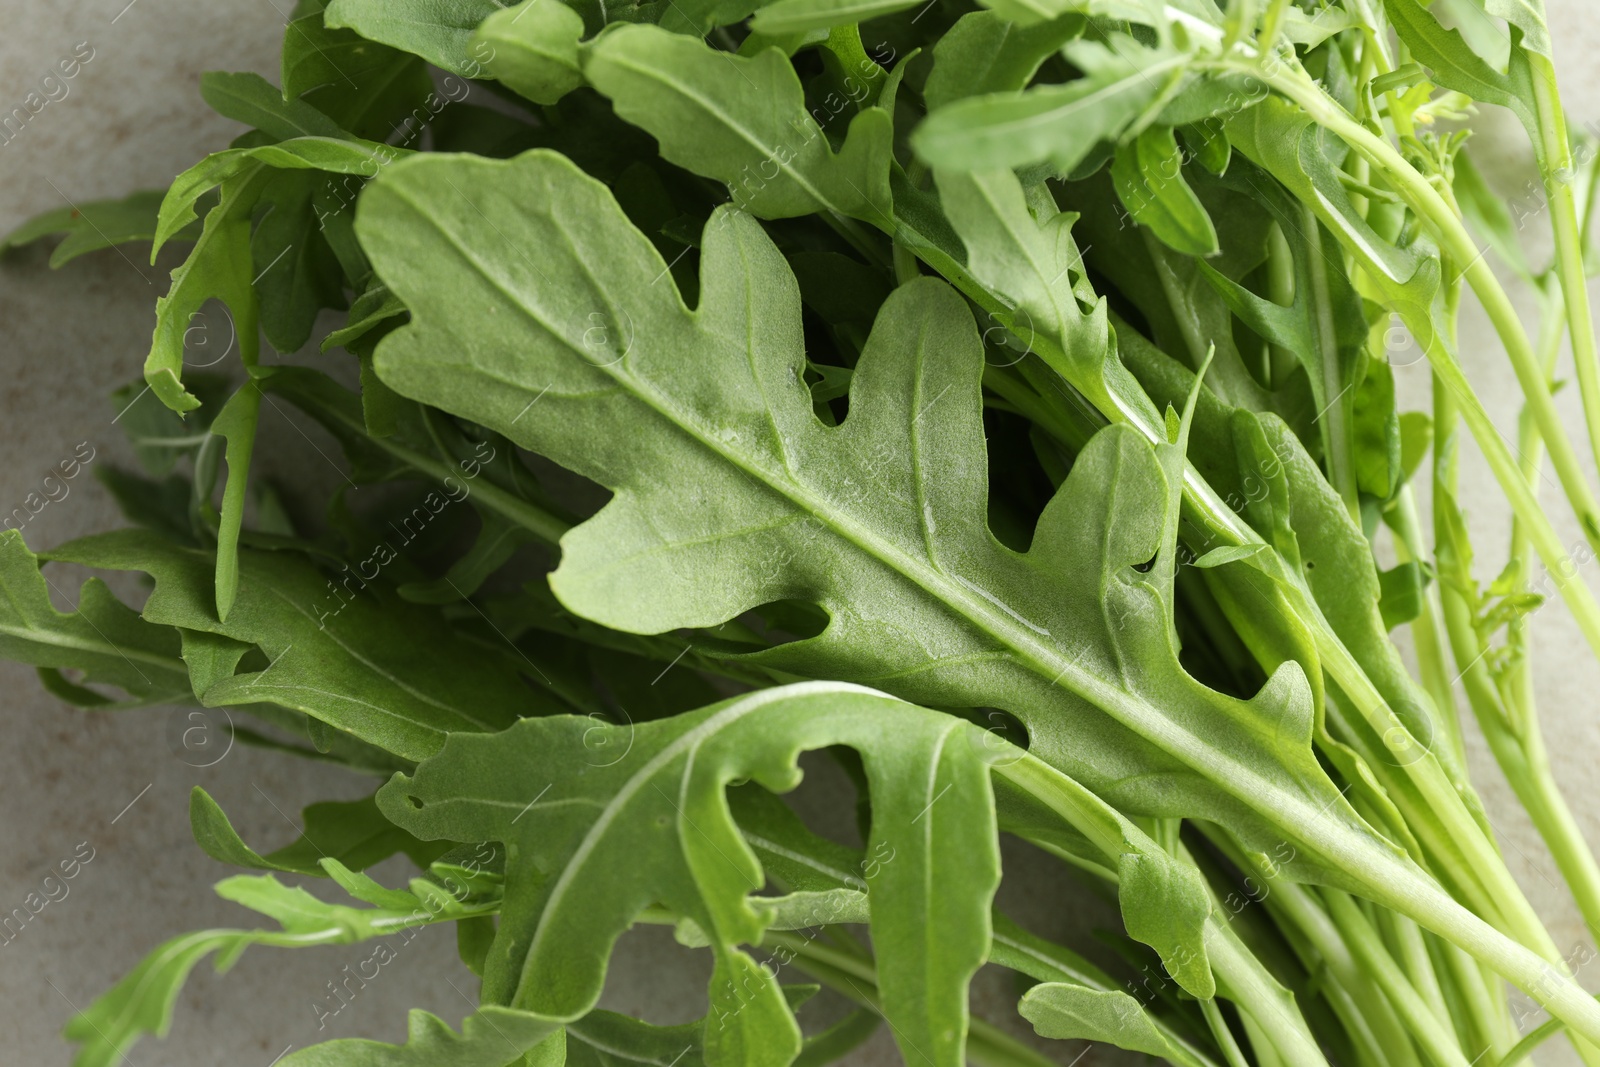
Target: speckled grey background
[{"x": 132, "y": 118}]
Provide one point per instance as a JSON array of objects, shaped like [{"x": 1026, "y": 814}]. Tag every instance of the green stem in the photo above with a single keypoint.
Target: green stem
[
  {"x": 1220, "y": 1030},
  {"x": 1556, "y": 166},
  {"x": 1336, "y": 418},
  {"x": 1242, "y": 978},
  {"x": 1295, "y": 909},
  {"x": 1487, "y": 1018},
  {"x": 1536, "y": 1037},
  {"x": 1411, "y": 953},
  {"x": 1438, "y": 1043},
  {"x": 1426, "y": 638},
  {"x": 1519, "y": 745},
  {"x": 1457, "y": 245}
]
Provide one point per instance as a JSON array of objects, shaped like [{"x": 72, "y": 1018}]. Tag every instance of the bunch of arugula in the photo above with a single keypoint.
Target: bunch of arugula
[{"x": 947, "y": 366}]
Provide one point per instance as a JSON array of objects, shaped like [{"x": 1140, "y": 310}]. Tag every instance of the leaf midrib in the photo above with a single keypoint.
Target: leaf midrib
[{"x": 108, "y": 648}]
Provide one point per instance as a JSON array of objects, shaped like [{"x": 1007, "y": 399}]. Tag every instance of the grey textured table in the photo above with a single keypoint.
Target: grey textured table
[{"x": 76, "y": 784}]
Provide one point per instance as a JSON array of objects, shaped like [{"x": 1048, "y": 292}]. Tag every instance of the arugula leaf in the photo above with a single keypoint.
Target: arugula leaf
[
  {"x": 1148, "y": 172},
  {"x": 350, "y": 656},
  {"x": 335, "y": 155},
  {"x": 96, "y": 224},
  {"x": 297, "y": 274},
  {"x": 218, "y": 267},
  {"x": 103, "y": 639},
  {"x": 1456, "y": 66},
  {"x": 440, "y": 31},
  {"x": 799, "y": 16},
  {"x": 534, "y": 49},
  {"x": 363, "y": 86},
  {"x": 985, "y": 53},
  {"x": 1055, "y": 124},
  {"x": 1033, "y": 263},
  {"x": 653, "y": 826},
  {"x": 1063, "y": 1010},
  {"x": 743, "y": 121},
  {"x": 770, "y": 504},
  {"x": 353, "y": 832},
  {"x": 143, "y": 1001},
  {"x": 488, "y": 1036},
  {"x": 249, "y": 98}
]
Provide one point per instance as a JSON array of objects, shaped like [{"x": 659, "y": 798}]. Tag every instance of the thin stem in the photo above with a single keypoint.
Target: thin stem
[
  {"x": 1336, "y": 418},
  {"x": 1556, "y": 166},
  {"x": 1258, "y": 994},
  {"x": 1426, "y": 639},
  {"x": 1536, "y": 1037},
  {"x": 1439, "y": 1043},
  {"x": 1457, "y": 245},
  {"x": 1224, "y": 1035}
]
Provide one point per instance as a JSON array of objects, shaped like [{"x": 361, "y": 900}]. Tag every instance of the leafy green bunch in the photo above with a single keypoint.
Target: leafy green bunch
[{"x": 995, "y": 400}]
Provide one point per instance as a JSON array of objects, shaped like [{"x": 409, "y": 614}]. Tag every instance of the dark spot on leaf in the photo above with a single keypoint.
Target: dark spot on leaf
[
  {"x": 1147, "y": 565},
  {"x": 416, "y": 802}
]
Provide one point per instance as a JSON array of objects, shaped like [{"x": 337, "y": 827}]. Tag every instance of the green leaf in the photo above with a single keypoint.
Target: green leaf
[
  {"x": 236, "y": 422},
  {"x": 533, "y": 48},
  {"x": 798, "y": 857},
  {"x": 333, "y": 155},
  {"x": 798, "y": 16},
  {"x": 363, "y": 662},
  {"x": 363, "y": 86},
  {"x": 1216, "y": 557},
  {"x": 251, "y": 99},
  {"x": 375, "y": 306},
  {"x": 354, "y": 832},
  {"x": 1376, "y": 431},
  {"x": 1033, "y": 263},
  {"x": 1324, "y": 326},
  {"x": 440, "y": 31},
  {"x": 1416, "y": 438},
  {"x": 1055, "y": 124},
  {"x": 1281, "y": 138},
  {"x": 1258, "y": 465},
  {"x": 1148, "y": 172},
  {"x": 96, "y": 224},
  {"x": 1527, "y": 16},
  {"x": 103, "y": 639},
  {"x": 984, "y": 53},
  {"x": 218, "y": 267},
  {"x": 296, "y": 273},
  {"x": 731, "y": 494},
  {"x": 589, "y": 852},
  {"x": 743, "y": 121},
  {"x": 142, "y": 1002},
  {"x": 490, "y": 1037},
  {"x": 1402, "y": 592},
  {"x": 1456, "y": 66},
  {"x": 1063, "y": 1011}
]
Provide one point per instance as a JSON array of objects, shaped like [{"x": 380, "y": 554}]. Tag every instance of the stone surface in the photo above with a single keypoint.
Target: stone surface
[{"x": 132, "y": 118}]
